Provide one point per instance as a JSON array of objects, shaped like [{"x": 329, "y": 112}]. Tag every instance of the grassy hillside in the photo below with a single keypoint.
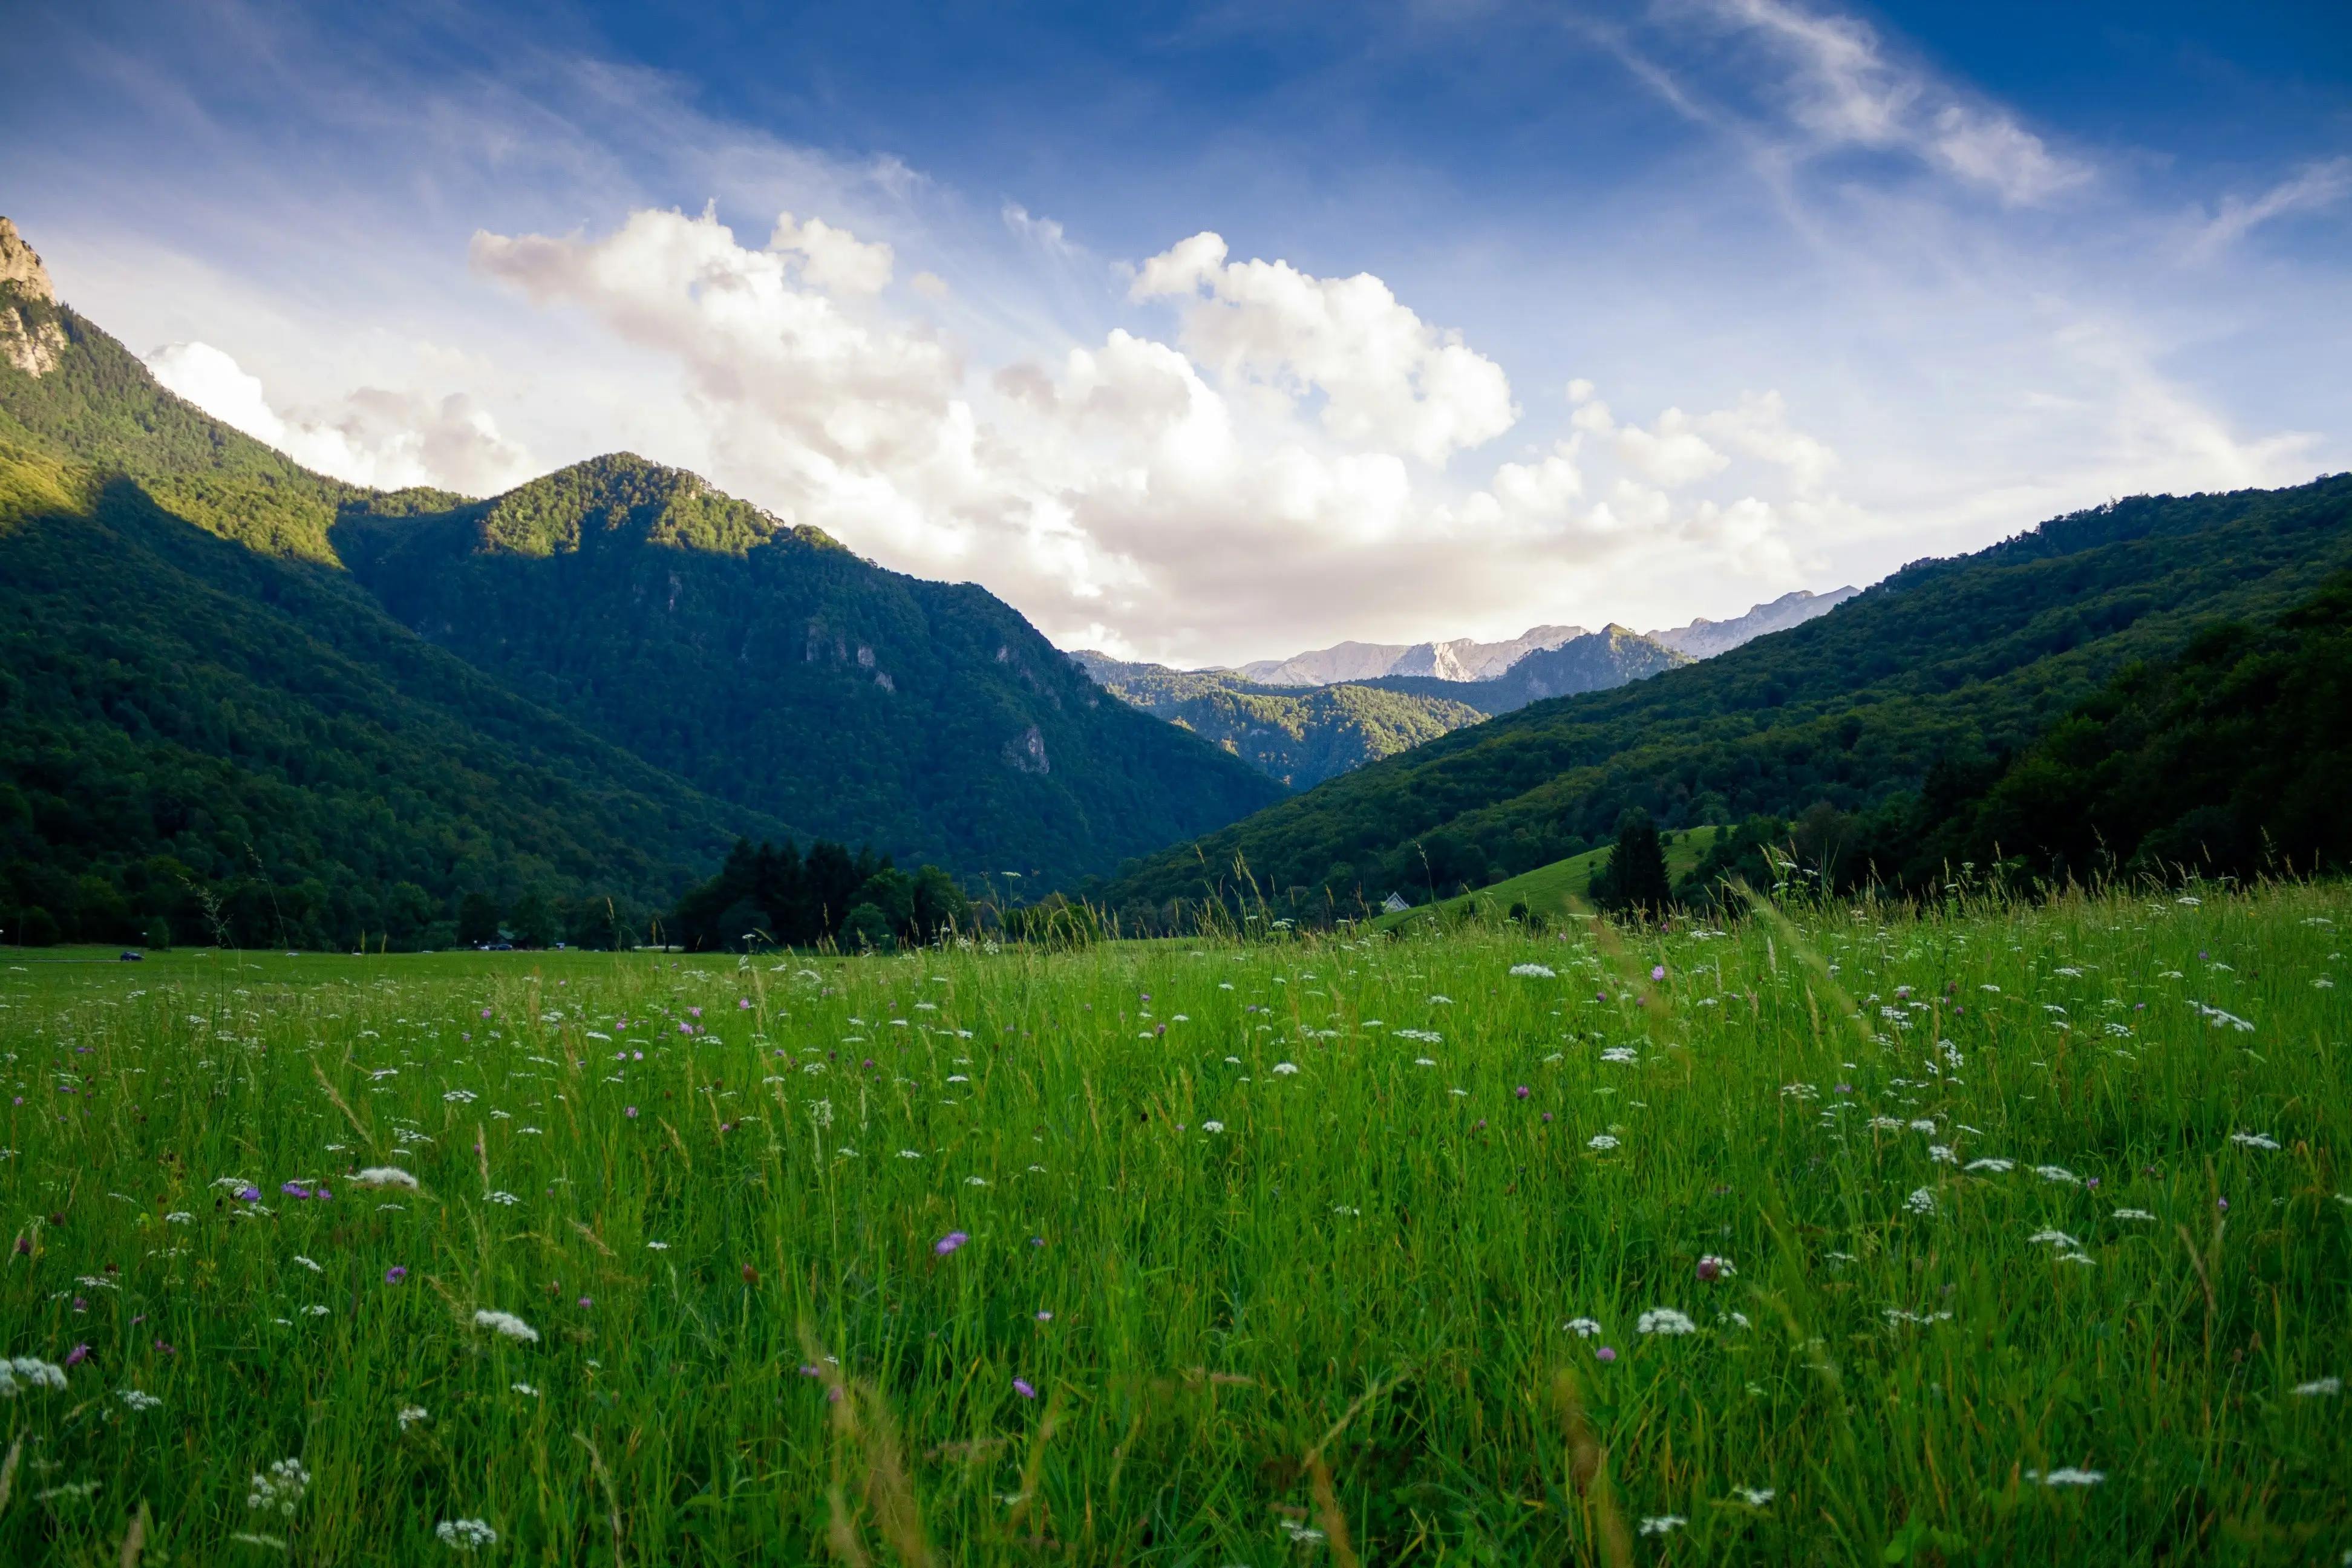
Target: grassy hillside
[
  {"x": 770, "y": 667},
  {"x": 1300, "y": 736},
  {"x": 1947, "y": 660},
  {"x": 1555, "y": 891}
]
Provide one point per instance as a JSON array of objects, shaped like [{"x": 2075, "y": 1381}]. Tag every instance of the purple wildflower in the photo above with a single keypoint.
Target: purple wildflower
[
  {"x": 1521, "y": 1091},
  {"x": 1021, "y": 1386},
  {"x": 394, "y": 1275},
  {"x": 294, "y": 1190},
  {"x": 631, "y": 1112},
  {"x": 1657, "y": 971},
  {"x": 485, "y": 1012},
  {"x": 949, "y": 1242},
  {"x": 586, "y": 1302},
  {"x": 77, "y": 1355},
  {"x": 248, "y": 1195},
  {"x": 1604, "y": 1353},
  {"x": 1547, "y": 1115}
]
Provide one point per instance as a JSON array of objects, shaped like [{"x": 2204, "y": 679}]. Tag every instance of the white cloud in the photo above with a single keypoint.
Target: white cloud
[
  {"x": 2313, "y": 186},
  {"x": 374, "y": 436},
  {"x": 1388, "y": 378},
  {"x": 1759, "y": 427},
  {"x": 835, "y": 259},
  {"x": 1845, "y": 90}
]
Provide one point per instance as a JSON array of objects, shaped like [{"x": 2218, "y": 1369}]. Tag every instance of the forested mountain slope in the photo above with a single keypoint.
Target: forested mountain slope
[
  {"x": 1298, "y": 735},
  {"x": 1947, "y": 659},
  {"x": 769, "y": 666}
]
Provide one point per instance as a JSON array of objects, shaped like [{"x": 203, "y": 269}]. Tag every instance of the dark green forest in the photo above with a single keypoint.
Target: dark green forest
[{"x": 1941, "y": 669}]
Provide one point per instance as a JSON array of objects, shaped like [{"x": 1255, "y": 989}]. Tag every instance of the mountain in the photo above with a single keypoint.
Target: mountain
[
  {"x": 1300, "y": 737},
  {"x": 1704, "y": 638},
  {"x": 1594, "y": 662},
  {"x": 205, "y": 697},
  {"x": 1947, "y": 662},
  {"x": 770, "y": 667},
  {"x": 1461, "y": 659}
]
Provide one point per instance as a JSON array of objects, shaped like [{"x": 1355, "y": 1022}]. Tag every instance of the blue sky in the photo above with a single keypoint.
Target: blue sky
[{"x": 1210, "y": 333}]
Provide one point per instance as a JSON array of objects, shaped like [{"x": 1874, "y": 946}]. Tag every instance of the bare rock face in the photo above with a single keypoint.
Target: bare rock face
[{"x": 30, "y": 336}]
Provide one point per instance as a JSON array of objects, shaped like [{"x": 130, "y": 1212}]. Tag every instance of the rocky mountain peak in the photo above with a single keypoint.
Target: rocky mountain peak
[
  {"x": 30, "y": 338},
  {"x": 21, "y": 264}
]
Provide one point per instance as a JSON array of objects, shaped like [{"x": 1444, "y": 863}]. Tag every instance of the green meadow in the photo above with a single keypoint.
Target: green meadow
[{"x": 1992, "y": 1233}]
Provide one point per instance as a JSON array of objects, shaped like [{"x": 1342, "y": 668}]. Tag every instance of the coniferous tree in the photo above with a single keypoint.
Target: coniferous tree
[{"x": 1633, "y": 879}]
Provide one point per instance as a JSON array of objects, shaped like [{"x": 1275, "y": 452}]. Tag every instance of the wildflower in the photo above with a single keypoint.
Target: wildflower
[
  {"x": 508, "y": 1324},
  {"x": 1285, "y": 1070},
  {"x": 30, "y": 1371},
  {"x": 1664, "y": 1320},
  {"x": 1755, "y": 1497},
  {"x": 394, "y": 1275},
  {"x": 2067, "y": 1476},
  {"x": 525, "y": 1389},
  {"x": 1520, "y": 1093},
  {"x": 385, "y": 1176},
  {"x": 2057, "y": 1173},
  {"x": 1996, "y": 1166},
  {"x": 177, "y": 1216},
  {"x": 1712, "y": 1268},
  {"x": 281, "y": 1488},
  {"x": 586, "y": 1302},
  {"x": 1604, "y": 1355},
  {"x": 2254, "y": 1140},
  {"x": 410, "y": 1414},
  {"x": 77, "y": 1355},
  {"x": 1582, "y": 1328},
  {"x": 2320, "y": 1386},
  {"x": 949, "y": 1243},
  {"x": 138, "y": 1400},
  {"x": 505, "y": 1199},
  {"x": 1045, "y": 1317},
  {"x": 2055, "y": 1239},
  {"x": 657, "y": 1246},
  {"x": 294, "y": 1190},
  {"x": 1921, "y": 1201},
  {"x": 631, "y": 1112},
  {"x": 1942, "y": 1154},
  {"x": 1601, "y": 1140},
  {"x": 248, "y": 1195},
  {"x": 1213, "y": 1127},
  {"x": 2134, "y": 1213},
  {"x": 1664, "y": 1524},
  {"x": 307, "y": 1264},
  {"x": 1533, "y": 972},
  {"x": 1021, "y": 1386},
  {"x": 2222, "y": 1203},
  {"x": 1621, "y": 1054},
  {"x": 467, "y": 1535}
]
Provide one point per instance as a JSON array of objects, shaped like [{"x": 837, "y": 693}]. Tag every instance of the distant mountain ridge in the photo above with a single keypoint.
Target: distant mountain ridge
[
  {"x": 1298, "y": 736},
  {"x": 1595, "y": 661},
  {"x": 1704, "y": 638},
  {"x": 1462, "y": 660}
]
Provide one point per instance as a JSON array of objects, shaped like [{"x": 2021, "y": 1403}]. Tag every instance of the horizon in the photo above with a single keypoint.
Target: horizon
[{"x": 1204, "y": 340}]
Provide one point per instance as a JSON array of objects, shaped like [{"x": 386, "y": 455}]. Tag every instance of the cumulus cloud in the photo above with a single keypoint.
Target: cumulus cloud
[
  {"x": 375, "y": 436},
  {"x": 833, "y": 258},
  {"x": 1388, "y": 378},
  {"x": 1671, "y": 454}
]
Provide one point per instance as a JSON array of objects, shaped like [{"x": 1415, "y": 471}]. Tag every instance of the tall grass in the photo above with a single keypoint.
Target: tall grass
[{"x": 1271, "y": 1253}]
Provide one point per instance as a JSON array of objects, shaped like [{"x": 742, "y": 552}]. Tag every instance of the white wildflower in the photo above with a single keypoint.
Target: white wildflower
[
  {"x": 410, "y": 1414},
  {"x": 1533, "y": 972},
  {"x": 2058, "y": 1174},
  {"x": 505, "y": 1324},
  {"x": 138, "y": 1399},
  {"x": 657, "y": 1246},
  {"x": 1663, "y": 1524},
  {"x": 179, "y": 1216},
  {"x": 460, "y": 1097},
  {"x": 1285, "y": 1070},
  {"x": 1621, "y": 1054},
  {"x": 2054, "y": 1238},
  {"x": 1213, "y": 1127},
  {"x": 1582, "y": 1328},
  {"x": 467, "y": 1535},
  {"x": 281, "y": 1488},
  {"x": 31, "y": 1372},
  {"x": 1993, "y": 1164},
  {"x": 503, "y": 1199},
  {"x": 1664, "y": 1320},
  {"x": 1921, "y": 1201},
  {"x": 1755, "y": 1497},
  {"x": 1601, "y": 1140},
  {"x": 1441, "y": 1001},
  {"x": 2134, "y": 1213},
  {"x": 385, "y": 1176},
  {"x": 306, "y": 1263},
  {"x": 2318, "y": 1386},
  {"x": 1942, "y": 1154},
  {"x": 1886, "y": 1123},
  {"x": 2254, "y": 1140},
  {"x": 525, "y": 1389},
  {"x": 2067, "y": 1476},
  {"x": 1924, "y": 1124}
]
